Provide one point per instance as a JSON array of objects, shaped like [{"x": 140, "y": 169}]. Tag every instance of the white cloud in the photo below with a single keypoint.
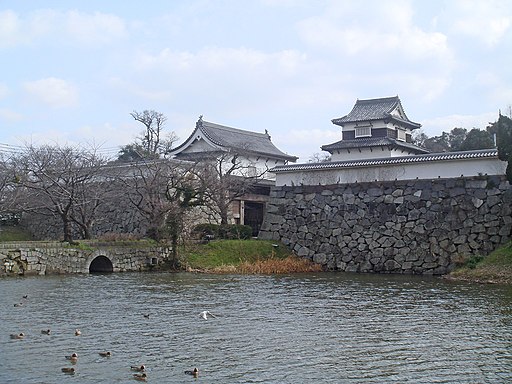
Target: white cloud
[
  {"x": 217, "y": 59},
  {"x": 97, "y": 28},
  {"x": 437, "y": 125},
  {"x": 53, "y": 26},
  {"x": 486, "y": 21},
  {"x": 9, "y": 28},
  {"x": 3, "y": 91},
  {"x": 370, "y": 31},
  {"x": 56, "y": 93},
  {"x": 8, "y": 115},
  {"x": 305, "y": 142}
]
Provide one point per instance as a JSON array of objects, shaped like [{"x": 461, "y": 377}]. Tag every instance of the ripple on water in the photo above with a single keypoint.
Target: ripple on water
[{"x": 327, "y": 328}]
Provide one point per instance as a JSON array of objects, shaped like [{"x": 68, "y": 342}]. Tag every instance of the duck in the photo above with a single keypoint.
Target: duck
[
  {"x": 46, "y": 331},
  {"x": 205, "y": 314},
  {"x": 194, "y": 372},
  {"x": 73, "y": 357},
  {"x": 140, "y": 376},
  {"x": 17, "y": 336},
  {"x": 78, "y": 332},
  {"x": 25, "y": 296},
  {"x": 105, "y": 354},
  {"x": 146, "y": 315},
  {"x": 68, "y": 370},
  {"x": 138, "y": 368},
  {"x": 18, "y": 304}
]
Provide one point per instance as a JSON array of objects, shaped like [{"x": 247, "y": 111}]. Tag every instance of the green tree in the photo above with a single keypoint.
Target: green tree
[
  {"x": 503, "y": 131},
  {"x": 477, "y": 139},
  {"x": 438, "y": 143},
  {"x": 456, "y": 138}
]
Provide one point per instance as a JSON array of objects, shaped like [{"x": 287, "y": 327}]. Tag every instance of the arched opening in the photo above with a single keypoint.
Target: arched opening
[{"x": 101, "y": 264}]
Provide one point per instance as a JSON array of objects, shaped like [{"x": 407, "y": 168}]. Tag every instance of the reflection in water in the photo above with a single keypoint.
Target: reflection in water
[{"x": 324, "y": 328}]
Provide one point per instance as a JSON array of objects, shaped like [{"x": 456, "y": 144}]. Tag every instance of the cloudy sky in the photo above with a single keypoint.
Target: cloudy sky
[{"x": 72, "y": 71}]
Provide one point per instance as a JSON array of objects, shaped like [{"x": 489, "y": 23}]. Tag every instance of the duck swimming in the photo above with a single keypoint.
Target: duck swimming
[
  {"x": 105, "y": 354},
  {"x": 194, "y": 373},
  {"x": 78, "y": 332},
  {"x": 140, "y": 368},
  {"x": 17, "y": 336},
  {"x": 70, "y": 371},
  {"x": 140, "y": 376},
  {"x": 46, "y": 331},
  {"x": 73, "y": 357}
]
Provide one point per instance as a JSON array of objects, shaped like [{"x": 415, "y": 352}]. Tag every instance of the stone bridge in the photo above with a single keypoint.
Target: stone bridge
[{"x": 41, "y": 258}]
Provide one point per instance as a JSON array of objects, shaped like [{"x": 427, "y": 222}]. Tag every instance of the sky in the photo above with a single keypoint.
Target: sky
[{"x": 73, "y": 71}]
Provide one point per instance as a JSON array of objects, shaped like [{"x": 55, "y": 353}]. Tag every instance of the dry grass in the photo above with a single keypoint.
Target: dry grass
[
  {"x": 494, "y": 268},
  {"x": 290, "y": 264}
]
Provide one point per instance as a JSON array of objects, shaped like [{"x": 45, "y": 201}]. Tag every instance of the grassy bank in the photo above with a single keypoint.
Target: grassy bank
[
  {"x": 243, "y": 256},
  {"x": 8, "y": 233},
  {"x": 495, "y": 268}
]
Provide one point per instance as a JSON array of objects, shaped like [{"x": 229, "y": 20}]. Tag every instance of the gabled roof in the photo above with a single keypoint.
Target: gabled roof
[
  {"x": 227, "y": 138},
  {"x": 377, "y": 109},
  {"x": 425, "y": 158},
  {"x": 373, "y": 142}
]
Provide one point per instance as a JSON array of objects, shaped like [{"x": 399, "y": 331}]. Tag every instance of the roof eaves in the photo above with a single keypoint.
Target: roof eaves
[{"x": 425, "y": 158}]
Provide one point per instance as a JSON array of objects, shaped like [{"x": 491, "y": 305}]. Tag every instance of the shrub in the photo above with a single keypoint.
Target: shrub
[
  {"x": 229, "y": 231},
  {"x": 473, "y": 261}
]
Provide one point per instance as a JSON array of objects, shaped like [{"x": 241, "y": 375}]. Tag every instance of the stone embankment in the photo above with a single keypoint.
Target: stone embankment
[
  {"x": 409, "y": 227},
  {"x": 42, "y": 258}
]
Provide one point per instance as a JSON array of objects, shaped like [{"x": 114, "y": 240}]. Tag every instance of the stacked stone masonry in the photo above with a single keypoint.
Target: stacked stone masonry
[
  {"x": 407, "y": 227},
  {"x": 43, "y": 258}
]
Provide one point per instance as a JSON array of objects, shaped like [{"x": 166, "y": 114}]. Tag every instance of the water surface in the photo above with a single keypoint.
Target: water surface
[{"x": 307, "y": 328}]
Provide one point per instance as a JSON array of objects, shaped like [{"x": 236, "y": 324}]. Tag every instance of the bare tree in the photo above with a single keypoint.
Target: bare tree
[
  {"x": 319, "y": 158},
  {"x": 152, "y": 143},
  {"x": 162, "y": 191},
  {"x": 53, "y": 181},
  {"x": 226, "y": 177},
  {"x": 8, "y": 211}
]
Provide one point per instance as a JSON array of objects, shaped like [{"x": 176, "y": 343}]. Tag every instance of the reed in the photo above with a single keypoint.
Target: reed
[{"x": 244, "y": 257}]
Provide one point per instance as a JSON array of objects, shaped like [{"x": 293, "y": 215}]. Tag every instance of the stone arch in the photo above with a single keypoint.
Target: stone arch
[{"x": 101, "y": 264}]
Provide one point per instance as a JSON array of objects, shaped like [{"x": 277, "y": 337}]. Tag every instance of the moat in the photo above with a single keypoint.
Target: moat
[{"x": 323, "y": 327}]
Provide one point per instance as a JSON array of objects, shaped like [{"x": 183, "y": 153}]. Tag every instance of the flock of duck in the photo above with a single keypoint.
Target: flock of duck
[{"x": 141, "y": 374}]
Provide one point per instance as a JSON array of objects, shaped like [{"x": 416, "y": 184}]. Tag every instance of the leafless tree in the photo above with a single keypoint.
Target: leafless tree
[
  {"x": 7, "y": 190},
  {"x": 54, "y": 181},
  {"x": 162, "y": 191},
  {"x": 226, "y": 177},
  {"x": 319, "y": 158},
  {"x": 152, "y": 143}
]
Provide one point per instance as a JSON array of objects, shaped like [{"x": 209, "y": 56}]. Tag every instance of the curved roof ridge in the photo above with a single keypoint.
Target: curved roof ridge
[
  {"x": 237, "y": 139},
  {"x": 375, "y": 109}
]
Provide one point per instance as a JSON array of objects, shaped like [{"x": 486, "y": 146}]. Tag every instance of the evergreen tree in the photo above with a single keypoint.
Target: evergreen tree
[{"x": 503, "y": 131}]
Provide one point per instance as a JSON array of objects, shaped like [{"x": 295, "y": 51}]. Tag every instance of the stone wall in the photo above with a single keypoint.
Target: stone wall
[
  {"x": 41, "y": 258},
  {"x": 409, "y": 227}
]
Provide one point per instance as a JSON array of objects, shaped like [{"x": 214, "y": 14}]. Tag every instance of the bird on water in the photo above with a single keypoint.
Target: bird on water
[
  {"x": 194, "y": 372},
  {"x": 205, "y": 315}
]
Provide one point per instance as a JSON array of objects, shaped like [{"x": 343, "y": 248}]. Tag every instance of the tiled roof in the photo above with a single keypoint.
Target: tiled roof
[
  {"x": 375, "y": 109},
  {"x": 431, "y": 157},
  {"x": 372, "y": 142},
  {"x": 237, "y": 139}
]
